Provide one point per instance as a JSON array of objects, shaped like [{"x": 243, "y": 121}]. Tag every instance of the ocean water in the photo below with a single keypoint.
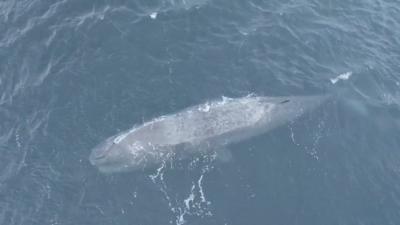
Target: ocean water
[{"x": 73, "y": 73}]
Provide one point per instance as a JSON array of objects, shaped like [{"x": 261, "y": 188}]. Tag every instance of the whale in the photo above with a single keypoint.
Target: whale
[{"x": 202, "y": 128}]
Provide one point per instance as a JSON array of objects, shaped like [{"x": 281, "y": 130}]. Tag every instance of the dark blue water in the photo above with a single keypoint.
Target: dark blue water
[{"x": 75, "y": 72}]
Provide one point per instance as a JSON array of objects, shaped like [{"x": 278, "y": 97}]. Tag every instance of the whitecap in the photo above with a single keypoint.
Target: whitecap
[
  {"x": 153, "y": 15},
  {"x": 343, "y": 76}
]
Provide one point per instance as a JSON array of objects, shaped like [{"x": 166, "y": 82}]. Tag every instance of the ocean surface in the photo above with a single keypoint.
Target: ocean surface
[{"x": 74, "y": 72}]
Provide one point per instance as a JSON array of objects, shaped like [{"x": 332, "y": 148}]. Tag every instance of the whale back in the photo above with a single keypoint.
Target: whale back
[{"x": 199, "y": 123}]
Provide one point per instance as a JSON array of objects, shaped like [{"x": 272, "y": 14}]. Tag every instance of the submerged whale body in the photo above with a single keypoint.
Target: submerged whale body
[{"x": 198, "y": 128}]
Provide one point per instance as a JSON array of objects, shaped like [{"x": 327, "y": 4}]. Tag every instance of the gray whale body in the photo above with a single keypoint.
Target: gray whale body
[{"x": 210, "y": 125}]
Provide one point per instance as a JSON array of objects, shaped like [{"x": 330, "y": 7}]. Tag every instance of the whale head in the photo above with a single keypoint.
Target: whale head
[
  {"x": 111, "y": 156},
  {"x": 121, "y": 153}
]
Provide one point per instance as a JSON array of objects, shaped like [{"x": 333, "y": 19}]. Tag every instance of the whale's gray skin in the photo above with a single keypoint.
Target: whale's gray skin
[{"x": 198, "y": 128}]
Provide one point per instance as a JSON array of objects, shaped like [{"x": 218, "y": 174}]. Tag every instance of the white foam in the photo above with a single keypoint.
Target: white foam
[
  {"x": 292, "y": 136},
  {"x": 225, "y": 100},
  {"x": 244, "y": 33},
  {"x": 202, "y": 197},
  {"x": 153, "y": 15},
  {"x": 343, "y": 76},
  {"x": 158, "y": 173},
  {"x": 18, "y": 139},
  {"x": 181, "y": 220},
  {"x": 205, "y": 108},
  {"x": 190, "y": 199}
]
